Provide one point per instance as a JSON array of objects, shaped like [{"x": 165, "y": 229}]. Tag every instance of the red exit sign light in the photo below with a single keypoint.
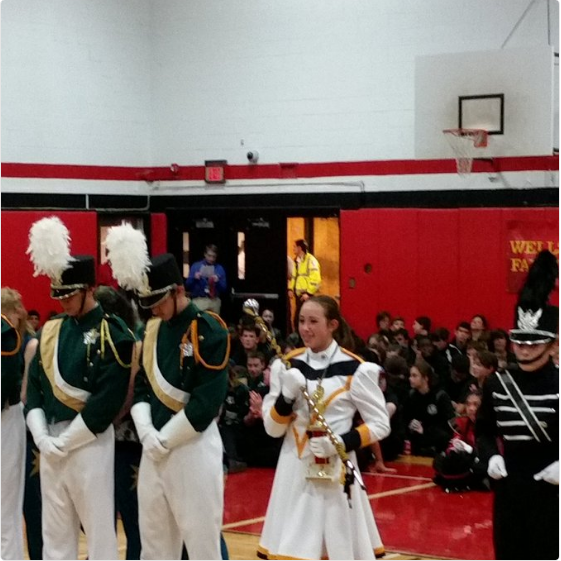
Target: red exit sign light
[{"x": 214, "y": 171}]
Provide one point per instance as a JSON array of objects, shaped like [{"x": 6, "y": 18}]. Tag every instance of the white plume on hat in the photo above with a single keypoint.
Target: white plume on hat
[
  {"x": 49, "y": 248},
  {"x": 127, "y": 253}
]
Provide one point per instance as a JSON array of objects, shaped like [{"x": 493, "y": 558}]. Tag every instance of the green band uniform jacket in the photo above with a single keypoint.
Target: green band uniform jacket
[
  {"x": 184, "y": 365},
  {"x": 88, "y": 358}
]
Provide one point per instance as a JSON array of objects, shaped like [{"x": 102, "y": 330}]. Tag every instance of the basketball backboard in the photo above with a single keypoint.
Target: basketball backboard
[{"x": 509, "y": 93}]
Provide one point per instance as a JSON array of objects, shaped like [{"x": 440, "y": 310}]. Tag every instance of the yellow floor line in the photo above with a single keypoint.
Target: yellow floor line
[
  {"x": 402, "y": 491},
  {"x": 370, "y": 497},
  {"x": 243, "y": 523},
  {"x": 396, "y": 476}
]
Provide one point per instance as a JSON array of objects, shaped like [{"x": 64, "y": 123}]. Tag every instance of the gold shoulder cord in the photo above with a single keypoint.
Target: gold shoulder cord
[
  {"x": 18, "y": 338},
  {"x": 198, "y": 357},
  {"x": 106, "y": 336}
]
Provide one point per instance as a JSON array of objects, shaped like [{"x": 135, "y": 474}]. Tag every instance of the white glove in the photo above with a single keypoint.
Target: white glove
[
  {"x": 461, "y": 446},
  {"x": 178, "y": 430},
  {"x": 497, "y": 468},
  {"x": 292, "y": 381},
  {"x": 142, "y": 417},
  {"x": 148, "y": 435},
  {"x": 77, "y": 434},
  {"x": 153, "y": 448},
  {"x": 49, "y": 446},
  {"x": 550, "y": 474},
  {"x": 322, "y": 447}
]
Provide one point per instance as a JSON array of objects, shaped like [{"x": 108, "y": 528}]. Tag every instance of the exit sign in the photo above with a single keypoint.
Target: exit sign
[{"x": 214, "y": 171}]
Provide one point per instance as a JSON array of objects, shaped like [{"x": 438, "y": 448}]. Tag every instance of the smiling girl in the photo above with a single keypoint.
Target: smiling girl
[{"x": 309, "y": 515}]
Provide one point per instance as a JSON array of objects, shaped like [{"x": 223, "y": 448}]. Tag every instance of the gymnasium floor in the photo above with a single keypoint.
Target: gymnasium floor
[{"x": 416, "y": 519}]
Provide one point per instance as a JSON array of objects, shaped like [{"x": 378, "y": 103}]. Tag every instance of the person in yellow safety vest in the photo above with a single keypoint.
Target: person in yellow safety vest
[{"x": 306, "y": 277}]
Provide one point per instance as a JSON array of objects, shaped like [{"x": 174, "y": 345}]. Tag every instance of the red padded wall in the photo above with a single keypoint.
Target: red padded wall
[
  {"x": 447, "y": 264},
  {"x": 17, "y": 270}
]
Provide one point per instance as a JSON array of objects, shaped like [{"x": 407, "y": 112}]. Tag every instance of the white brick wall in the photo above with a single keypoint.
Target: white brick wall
[
  {"x": 150, "y": 82},
  {"x": 76, "y": 82}
]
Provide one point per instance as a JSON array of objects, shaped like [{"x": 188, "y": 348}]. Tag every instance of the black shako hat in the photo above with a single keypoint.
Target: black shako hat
[
  {"x": 535, "y": 320},
  {"x": 79, "y": 275},
  {"x": 163, "y": 276}
]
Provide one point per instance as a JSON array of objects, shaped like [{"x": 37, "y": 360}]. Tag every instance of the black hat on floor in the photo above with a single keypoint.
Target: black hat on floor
[
  {"x": 535, "y": 320},
  {"x": 79, "y": 275},
  {"x": 163, "y": 277}
]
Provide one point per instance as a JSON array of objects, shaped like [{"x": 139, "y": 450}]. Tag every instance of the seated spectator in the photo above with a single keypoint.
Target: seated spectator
[
  {"x": 499, "y": 343},
  {"x": 483, "y": 364},
  {"x": 460, "y": 382},
  {"x": 383, "y": 321},
  {"x": 393, "y": 350},
  {"x": 269, "y": 318},
  {"x": 379, "y": 345},
  {"x": 440, "y": 340},
  {"x": 479, "y": 328},
  {"x": 427, "y": 412},
  {"x": 397, "y": 323},
  {"x": 473, "y": 347},
  {"x": 256, "y": 367},
  {"x": 363, "y": 351},
  {"x": 247, "y": 342},
  {"x": 461, "y": 337},
  {"x": 392, "y": 445},
  {"x": 257, "y": 447},
  {"x": 397, "y": 375},
  {"x": 422, "y": 325},
  {"x": 459, "y": 468},
  {"x": 34, "y": 319},
  {"x": 231, "y": 418},
  {"x": 439, "y": 364},
  {"x": 401, "y": 337}
]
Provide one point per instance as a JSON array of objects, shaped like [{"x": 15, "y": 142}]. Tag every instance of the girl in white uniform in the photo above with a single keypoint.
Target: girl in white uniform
[{"x": 309, "y": 515}]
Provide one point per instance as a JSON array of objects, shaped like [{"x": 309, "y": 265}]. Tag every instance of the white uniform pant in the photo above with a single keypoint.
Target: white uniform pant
[
  {"x": 181, "y": 499},
  {"x": 78, "y": 489},
  {"x": 13, "y": 480}
]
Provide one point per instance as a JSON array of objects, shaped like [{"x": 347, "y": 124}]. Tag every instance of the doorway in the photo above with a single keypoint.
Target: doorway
[
  {"x": 251, "y": 248},
  {"x": 322, "y": 235}
]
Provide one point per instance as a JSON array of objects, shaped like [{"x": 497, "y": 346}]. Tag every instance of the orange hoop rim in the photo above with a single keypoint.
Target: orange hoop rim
[{"x": 479, "y": 136}]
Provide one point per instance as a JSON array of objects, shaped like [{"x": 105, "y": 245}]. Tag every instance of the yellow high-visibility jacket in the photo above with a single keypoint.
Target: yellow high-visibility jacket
[{"x": 306, "y": 276}]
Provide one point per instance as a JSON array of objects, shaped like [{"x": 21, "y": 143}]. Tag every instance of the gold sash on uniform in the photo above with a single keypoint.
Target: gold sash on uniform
[
  {"x": 149, "y": 362},
  {"x": 49, "y": 338}
]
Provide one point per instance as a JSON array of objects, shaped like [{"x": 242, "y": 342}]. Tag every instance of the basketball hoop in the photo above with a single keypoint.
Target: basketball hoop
[{"x": 465, "y": 143}]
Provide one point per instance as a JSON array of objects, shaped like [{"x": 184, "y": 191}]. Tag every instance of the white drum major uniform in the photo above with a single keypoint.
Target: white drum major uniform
[{"x": 309, "y": 514}]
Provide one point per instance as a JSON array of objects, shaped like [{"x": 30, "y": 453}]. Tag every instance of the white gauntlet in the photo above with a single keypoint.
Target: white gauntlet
[
  {"x": 550, "y": 474},
  {"x": 50, "y": 447},
  {"x": 322, "y": 447},
  {"x": 292, "y": 381},
  {"x": 497, "y": 468}
]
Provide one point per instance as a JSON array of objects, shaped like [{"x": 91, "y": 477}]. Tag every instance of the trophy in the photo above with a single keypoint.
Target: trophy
[{"x": 319, "y": 468}]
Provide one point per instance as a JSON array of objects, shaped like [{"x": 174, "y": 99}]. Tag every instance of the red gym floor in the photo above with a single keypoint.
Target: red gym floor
[{"x": 413, "y": 515}]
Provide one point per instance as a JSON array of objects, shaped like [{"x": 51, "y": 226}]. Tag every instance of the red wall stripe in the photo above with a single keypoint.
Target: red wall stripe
[{"x": 274, "y": 171}]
